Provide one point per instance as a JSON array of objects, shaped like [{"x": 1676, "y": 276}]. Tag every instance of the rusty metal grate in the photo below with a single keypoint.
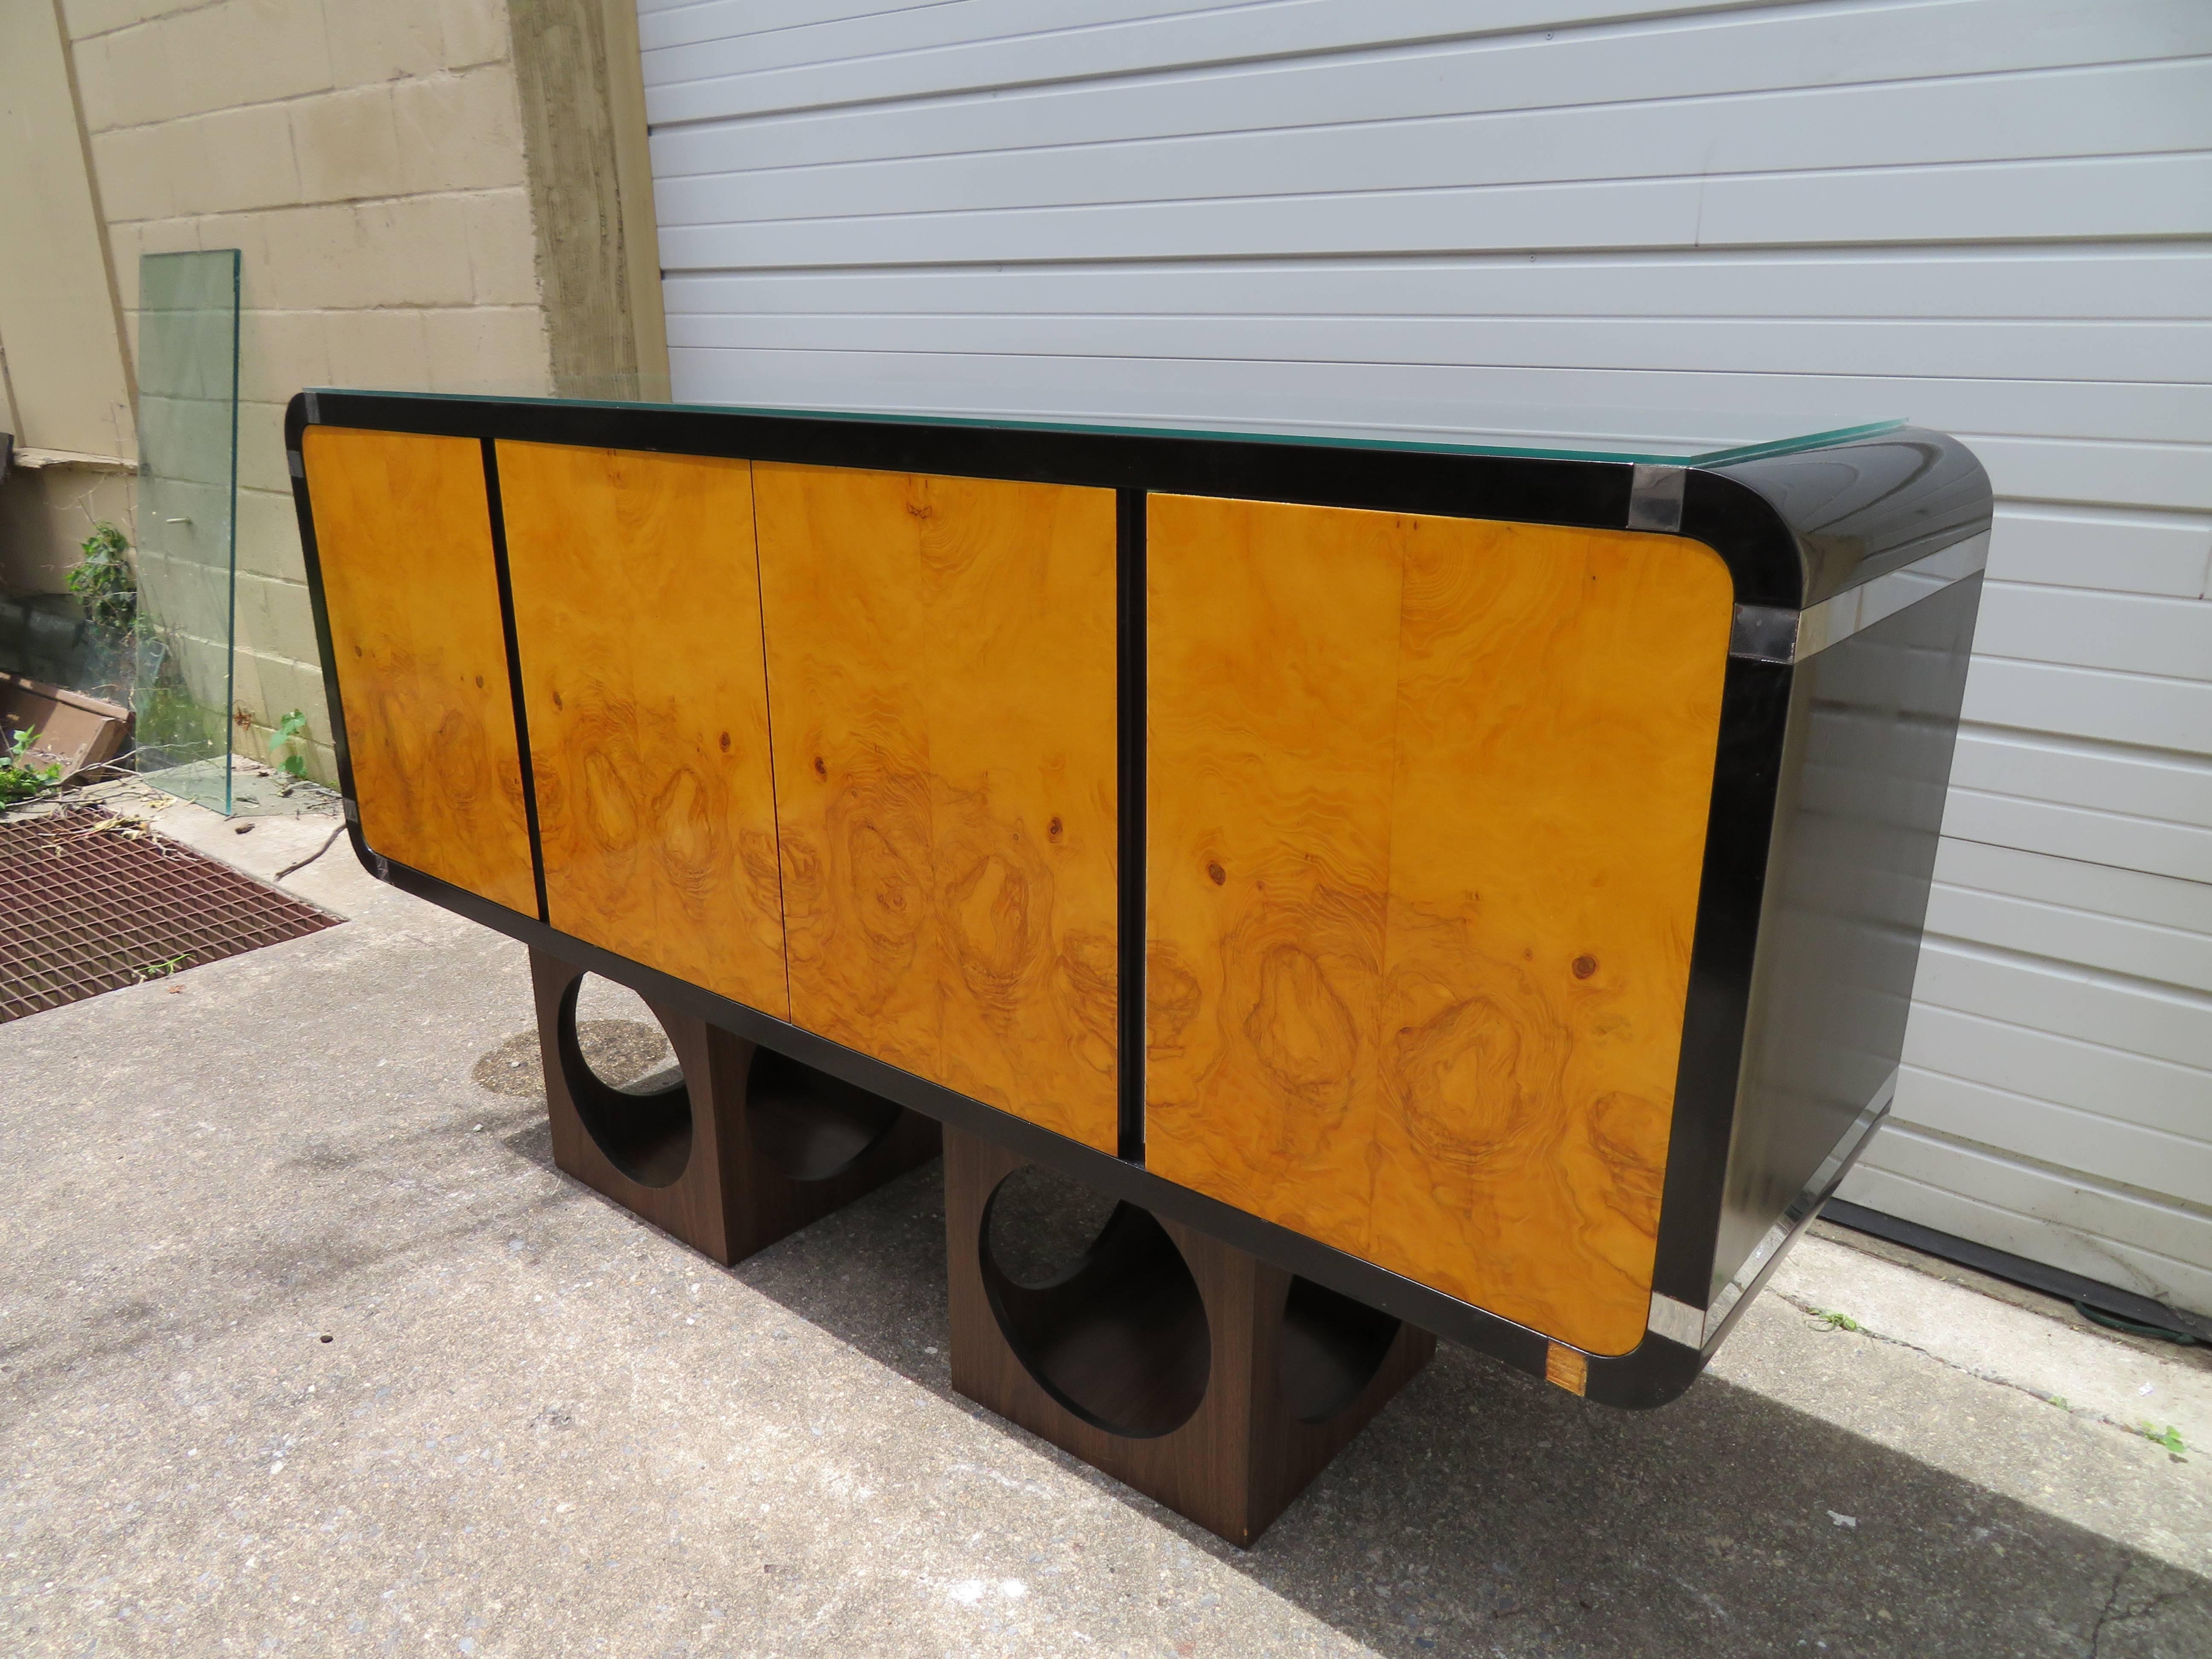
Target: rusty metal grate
[{"x": 87, "y": 905}]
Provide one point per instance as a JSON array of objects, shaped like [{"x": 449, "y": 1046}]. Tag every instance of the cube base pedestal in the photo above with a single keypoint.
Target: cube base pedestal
[
  {"x": 749, "y": 1147},
  {"x": 1208, "y": 1379}
]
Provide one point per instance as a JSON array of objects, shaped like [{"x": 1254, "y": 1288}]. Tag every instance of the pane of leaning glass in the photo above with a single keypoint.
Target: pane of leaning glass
[{"x": 187, "y": 508}]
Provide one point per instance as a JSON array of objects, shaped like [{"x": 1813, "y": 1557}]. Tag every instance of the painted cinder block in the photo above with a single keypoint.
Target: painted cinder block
[
  {"x": 279, "y": 352},
  {"x": 133, "y": 165},
  {"x": 411, "y": 252},
  {"x": 276, "y": 614},
  {"x": 377, "y": 348},
  {"x": 487, "y": 349},
  {"x": 287, "y": 683},
  {"x": 459, "y": 131},
  {"x": 268, "y": 536},
  {"x": 347, "y": 145},
  {"x": 502, "y": 249},
  {"x": 304, "y": 258},
  {"x": 86, "y": 18},
  {"x": 475, "y": 32},
  {"x": 247, "y": 52},
  {"x": 231, "y": 160},
  {"x": 386, "y": 41},
  {"x": 128, "y": 80},
  {"x": 261, "y": 463}
]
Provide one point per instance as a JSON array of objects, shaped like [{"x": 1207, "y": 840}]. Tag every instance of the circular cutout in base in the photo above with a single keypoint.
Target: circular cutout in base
[
  {"x": 1042, "y": 1226},
  {"x": 1119, "y": 1336},
  {"x": 1331, "y": 1348},
  {"x": 644, "y": 1130},
  {"x": 809, "y": 1124}
]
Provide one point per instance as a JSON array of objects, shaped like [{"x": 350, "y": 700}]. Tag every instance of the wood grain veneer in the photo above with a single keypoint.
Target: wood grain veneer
[
  {"x": 942, "y": 670},
  {"x": 695, "y": 1160},
  {"x": 1427, "y": 804},
  {"x": 1256, "y": 1406},
  {"x": 403, "y": 535},
  {"x": 638, "y": 625}
]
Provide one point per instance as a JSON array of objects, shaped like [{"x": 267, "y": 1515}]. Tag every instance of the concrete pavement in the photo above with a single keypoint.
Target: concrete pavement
[{"x": 305, "y": 1348}]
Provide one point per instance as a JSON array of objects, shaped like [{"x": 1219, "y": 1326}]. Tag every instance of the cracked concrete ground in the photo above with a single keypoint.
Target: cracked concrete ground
[{"x": 305, "y": 1348}]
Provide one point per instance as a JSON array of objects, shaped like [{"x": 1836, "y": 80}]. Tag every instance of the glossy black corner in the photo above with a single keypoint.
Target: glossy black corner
[
  {"x": 1865, "y": 770},
  {"x": 1755, "y": 713},
  {"x": 1849, "y": 513},
  {"x": 1828, "y": 789}
]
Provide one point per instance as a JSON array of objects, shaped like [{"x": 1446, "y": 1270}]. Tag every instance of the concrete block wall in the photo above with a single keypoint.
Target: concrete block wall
[
  {"x": 65, "y": 389},
  {"x": 45, "y": 513},
  {"x": 367, "y": 157}
]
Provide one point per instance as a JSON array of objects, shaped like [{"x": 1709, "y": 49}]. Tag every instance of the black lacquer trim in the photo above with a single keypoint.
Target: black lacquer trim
[
  {"x": 1132, "y": 592},
  {"x": 1739, "y": 834},
  {"x": 514, "y": 673},
  {"x": 1742, "y": 526},
  {"x": 1814, "y": 1209},
  {"x": 775, "y": 788},
  {"x": 1590, "y": 494},
  {"x": 296, "y": 419},
  {"x": 1659, "y": 1370}
]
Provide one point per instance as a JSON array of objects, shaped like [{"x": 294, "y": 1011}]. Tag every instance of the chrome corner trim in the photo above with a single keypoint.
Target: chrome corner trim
[
  {"x": 1764, "y": 633},
  {"x": 1855, "y": 608},
  {"x": 314, "y": 410},
  {"x": 296, "y": 462},
  {"x": 1817, "y": 1192},
  {"x": 1654, "y": 498},
  {"x": 1677, "y": 1321}
]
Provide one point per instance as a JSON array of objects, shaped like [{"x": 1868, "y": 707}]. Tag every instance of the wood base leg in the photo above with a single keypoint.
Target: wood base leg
[
  {"x": 750, "y": 1147},
  {"x": 1204, "y": 1377}
]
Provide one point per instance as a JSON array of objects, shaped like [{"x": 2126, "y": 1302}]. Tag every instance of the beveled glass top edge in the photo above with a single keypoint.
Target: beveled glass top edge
[
  {"x": 1406, "y": 440},
  {"x": 1842, "y": 434}
]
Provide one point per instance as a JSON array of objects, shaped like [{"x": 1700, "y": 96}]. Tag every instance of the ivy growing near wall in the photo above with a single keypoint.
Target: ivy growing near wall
[{"x": 103, "y": 580}]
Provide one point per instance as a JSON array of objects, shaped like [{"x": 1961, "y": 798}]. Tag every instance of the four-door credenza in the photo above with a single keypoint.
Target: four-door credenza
[{"x": 1476, "y": 887}]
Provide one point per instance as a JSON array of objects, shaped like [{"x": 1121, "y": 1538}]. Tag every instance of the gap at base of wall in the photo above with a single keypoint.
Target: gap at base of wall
[{"x": 2087, "y": 1295}]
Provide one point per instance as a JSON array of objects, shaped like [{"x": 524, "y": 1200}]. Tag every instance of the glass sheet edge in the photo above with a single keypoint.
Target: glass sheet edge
[{"x": 1439, "y": 445}]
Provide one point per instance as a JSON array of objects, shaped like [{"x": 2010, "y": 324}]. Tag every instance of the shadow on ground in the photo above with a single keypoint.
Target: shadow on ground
[{"x": 1485, "y": 1512}]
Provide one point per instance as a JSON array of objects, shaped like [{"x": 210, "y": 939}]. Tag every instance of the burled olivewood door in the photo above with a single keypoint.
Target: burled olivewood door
[
  {"x": 638, "y": 633},
  {"x": 411, "y": 591},
  {"x": 1427, "y": 803},
  {"x": 941, "y": 666}
]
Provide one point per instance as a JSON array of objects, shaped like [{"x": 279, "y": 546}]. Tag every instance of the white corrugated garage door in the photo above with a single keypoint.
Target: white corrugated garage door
[{"x": 1991, "y": 216}]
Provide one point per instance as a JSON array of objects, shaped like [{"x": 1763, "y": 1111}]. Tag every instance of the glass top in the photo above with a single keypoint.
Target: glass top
[{"x": 1673, "y": 437}]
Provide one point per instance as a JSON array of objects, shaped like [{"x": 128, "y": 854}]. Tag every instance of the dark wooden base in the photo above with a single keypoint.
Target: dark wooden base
[
  {"x": 1199, "y": 1375},
  {"x": 749, "y": 1147}
]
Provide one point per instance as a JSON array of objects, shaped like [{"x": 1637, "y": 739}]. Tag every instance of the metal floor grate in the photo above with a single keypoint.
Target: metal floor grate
[{"x": 86, "y": 906}]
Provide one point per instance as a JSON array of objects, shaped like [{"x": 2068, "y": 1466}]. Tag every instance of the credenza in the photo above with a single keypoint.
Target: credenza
[{"x": 1480, "y": 881}]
